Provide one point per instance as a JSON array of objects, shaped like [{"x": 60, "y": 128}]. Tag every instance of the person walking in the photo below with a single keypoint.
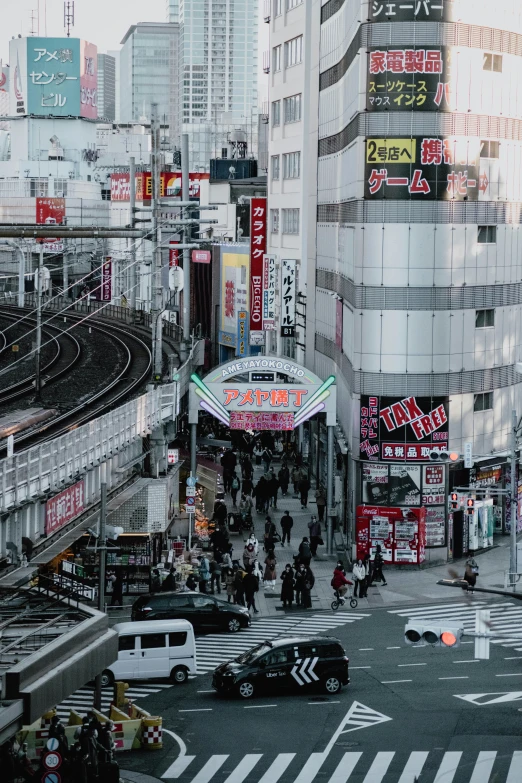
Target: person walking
[
  {"x": 359, "y": 575},
  {"x": 215, "y": 573},
  {"x": 117, "y": 590},
  {"x": 471, "y": 572},
  {"x": 267, "y": 458},
  {"x": 339, "y": 581},
  {"x": 246, "y": 467},
  {"x": 235, "y": 484},
  {"x": 367, "y": 562},
  {"x": 230, "y": 586},
  {"x": 305, "y": 553},
  {"x": 314, "y": 528},
  {"x": 249, "y": 554},
  {"x": 296, "y": 478},
  {"x": 169, "y": 583},
  {"x": 305, "y": 581},
  {"x": 273, "y": 486},
  {"x": 270, "y": 575},
  {"x": 251, "y": 587},
  {"x": 320, "y": 499},
  {"x": 155, "y": 582},
  {"x": 287, "y": 523},
  {"x": 304, "y": 489},
  {"x": 258, "y": 453},
  {"x": 247, "y": 485},
  {"x": 239, "y": 595},
  {"x": 204, "y": 574},
  {"x": 378, "y": 562},
  {"x": 284, "y": 478},
  {"x": 287, "y": 586},
  {"x": 261, "y": 495},
  {"x": 270, "y": 535}
]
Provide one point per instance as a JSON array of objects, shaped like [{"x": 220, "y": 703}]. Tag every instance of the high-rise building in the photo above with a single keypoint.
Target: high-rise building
[
  {"x": 395, "y": 145},
  {"x": 218, "y": 73},
  {"x": 149, "y": 73},
  {"x": 106, "y": 87},
  {"x": 115, "y": 53}
]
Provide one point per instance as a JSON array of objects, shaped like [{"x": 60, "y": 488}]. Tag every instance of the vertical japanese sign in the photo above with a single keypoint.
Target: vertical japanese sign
[
  {"x": 234, "y": 291},
  {"x": 50, "y": 212},
  {"x": 242, "y": 333},
  {"x": 88, "y": 80},
  {"x": 104, "y": 292},
  {"x": 288, "y": 297},
  {"x": 257, "y": 251},
  {"x": 173, "y": 254},
  {"x": 62, "y": 508},
  {"x": 269, "y": 292}
]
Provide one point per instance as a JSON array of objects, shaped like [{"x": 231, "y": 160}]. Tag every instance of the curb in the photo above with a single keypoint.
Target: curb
[{"x": 136, "y": 777}]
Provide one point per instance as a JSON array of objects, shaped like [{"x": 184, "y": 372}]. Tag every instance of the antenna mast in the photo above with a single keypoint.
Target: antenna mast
[{"x": 68, "y": 17}]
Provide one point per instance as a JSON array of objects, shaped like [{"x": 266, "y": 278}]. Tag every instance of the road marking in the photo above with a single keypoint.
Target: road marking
[
  {"x": 379, "y": 767},
  {"x": 211, "y": 767},
  {"x": 202, "y": 709},
  {"x": 206, "y": 691},
  {"x": 311, "y": 768},
  {"x": 259, "y": 706},
  {"x": 414, "y": 766},
  {"x": 358, "y": 717},
  {"x": 366, "y": 649},
  {"x": 243, "y": 769},
  {"x": 390, "y": 682},
  {"x": 515, "y": 769},
  {"x": 518, "y": 674},
  {"x": 467, "y": 642},
  {"x": 360, "y": 667},
  {"x": 516, "y": 658},
  {"x": 177, "y": 769},
  {"x": 402, "y": 665},
  {"x": 323, "y": 702},
  {"x": 483, "y": 766},
  {"x": 465, "y": 677},
  {"x": 345, "y": 768},
  {"x": 472, "y": 660},
  {"x": 393, "y": 648},
  {"x": 448, "y": 767},
  {"x": 277, "y": 768}
]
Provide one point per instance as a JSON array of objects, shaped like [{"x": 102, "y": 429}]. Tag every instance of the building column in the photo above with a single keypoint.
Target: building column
[{"x": 330, "y": 491}]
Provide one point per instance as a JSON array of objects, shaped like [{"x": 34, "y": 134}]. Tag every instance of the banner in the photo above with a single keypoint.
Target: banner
[
  {"x": 257, "y": 252},
  {"x": 62, "y": 508},
  {"x": 51, "y": 212},
  {"x": 269, "y": 292},
  {"x": 288, "y": 297},
  {"x": 433, "y": 485},
  {"x": 173, "y": 254},
  {"x": 88, "y": 80},
  {"x": 408, "y": 79},
  {"x": 242, "y": 333},
  {"x": 234, "y": 291},
  {"x": 103, "y": 291},
  {"x": 412, "y": 11},
  {"x": 170, "y": 186}
]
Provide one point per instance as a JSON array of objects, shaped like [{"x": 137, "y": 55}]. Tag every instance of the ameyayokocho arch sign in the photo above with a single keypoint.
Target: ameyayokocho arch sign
[{"x": 264, "y": 402}]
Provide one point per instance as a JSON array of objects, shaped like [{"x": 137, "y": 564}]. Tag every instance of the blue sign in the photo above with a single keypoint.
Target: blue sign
[
  {"x": 228, "y": 339},
  {"x": 242, "y": 333},
  {"x": 53, "y": 76},
  {"x": 52, "y": 777}
]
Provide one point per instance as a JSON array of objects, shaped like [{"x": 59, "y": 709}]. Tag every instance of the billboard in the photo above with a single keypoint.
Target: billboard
[
  {"x": 257, "y": 252},
  {"x": 288, "y": 297},
  {"x": 234, "y": 291},
  {"x": 170, "y": 185},
  {"x": 269, "y": 292},
  {"x": 413, "y": 11},
  {"x": 62, "y": 508},
  {"x": 50, "y": 211},
  {"x": 402, "y": 430},
  {"x": 88, "y": 80},
  {"x": 408, "y": 79}
]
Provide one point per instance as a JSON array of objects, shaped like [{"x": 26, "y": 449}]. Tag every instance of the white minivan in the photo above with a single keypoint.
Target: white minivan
[{"x": 157, "y": 648}]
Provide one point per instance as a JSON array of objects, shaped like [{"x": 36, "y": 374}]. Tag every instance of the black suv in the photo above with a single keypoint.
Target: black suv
[
  {"x": 205, "y": 612},
  {"x": 295, "y": 664}
]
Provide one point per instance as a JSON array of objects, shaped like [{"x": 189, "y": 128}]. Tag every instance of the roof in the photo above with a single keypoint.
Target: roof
[
  {"x": 282, "y": 640},
  {"x": 149, "y": 626},
  {"x": 154, "y": 27}
]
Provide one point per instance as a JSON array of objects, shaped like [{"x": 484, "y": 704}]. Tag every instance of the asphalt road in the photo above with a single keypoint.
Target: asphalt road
[{"x": 427, "y": 714}]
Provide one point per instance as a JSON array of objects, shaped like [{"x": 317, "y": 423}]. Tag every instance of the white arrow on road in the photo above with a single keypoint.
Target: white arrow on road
[
  {"x": 482, "y": 699},
  {"x": 358, "y": 717}
]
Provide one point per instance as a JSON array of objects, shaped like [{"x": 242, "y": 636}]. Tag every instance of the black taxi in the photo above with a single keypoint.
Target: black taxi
[{"x": 285, "y": 664}]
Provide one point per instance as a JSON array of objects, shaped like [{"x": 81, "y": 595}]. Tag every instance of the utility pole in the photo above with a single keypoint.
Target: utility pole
[
  {"x": 65, "y": 267},
  {"x": 37, "y": 377},
  {"x": 133, "y": 274},
  {"x": 102, "y": 540},
  {"x": 514, "y": 499},
  {"x": 157, "y": 288},
  {"x": 186, "y": 235}
]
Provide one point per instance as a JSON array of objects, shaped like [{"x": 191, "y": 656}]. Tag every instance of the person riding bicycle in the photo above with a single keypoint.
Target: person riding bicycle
[{"x": 340, "y": 582}]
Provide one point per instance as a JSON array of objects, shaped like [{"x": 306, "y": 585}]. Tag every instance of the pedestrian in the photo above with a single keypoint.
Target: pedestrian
[
  {"x": 220, "y": 512},
  {"x": 251, "y": 587},
  {"x": 320, "y": 499},
  {"x": 117, "y": 589},
  {"x": 304, "y": 488},
  {"x": 253, "y": 540},
  {"x": 314, "y": 528},
  {"x": 261, "y": 494},
  {"x": 215, "y": 573},
  {"x": 273, "y": 486},
  {"x": 471, "y": 572},
  {"x": 234, "y": 487},
  {"x": 246, "y": 467},
  {"x": 287, "y": 587},
  {"x": 267, "y": 457},
  {"x": 305, "y": 581},
  {"x": 270, "y": 535},
  {"x": 155, "y": 582},
  {"x": 296, "y": 478},
  {"x": 239, "y": 595},
  {"x": 339, "y": 581},
  {"x": 270, "y": 575},
  {"x": 191, "y": 583},
  {"x": 247, "y": 485},
  {"x": 258, "y": 453},
  {"x": 359, "y": 575},
  {"x": 230, "y": 586},
  {"x": 378, "y": 562},
  {"x": 287, "y": 524},
  {"x": 204, "y": 574},
  {"x": 284, "y": 478},
  {"x": 305, "y": 553},
  {"x": 367, "y": 561},
  {"x": 249, "y": 555}
]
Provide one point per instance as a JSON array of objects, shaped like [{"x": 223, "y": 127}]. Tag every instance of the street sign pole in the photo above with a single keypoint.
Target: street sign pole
[{"x": 482, "y": 635}]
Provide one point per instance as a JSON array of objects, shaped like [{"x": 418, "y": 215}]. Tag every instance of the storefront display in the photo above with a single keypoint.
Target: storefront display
[
  {"x": 435, "y": 526},
  {"x": 400, "y": 532}
]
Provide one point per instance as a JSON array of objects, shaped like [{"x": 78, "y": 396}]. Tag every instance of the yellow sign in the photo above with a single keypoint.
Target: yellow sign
[{"x": 390, "y": 150}]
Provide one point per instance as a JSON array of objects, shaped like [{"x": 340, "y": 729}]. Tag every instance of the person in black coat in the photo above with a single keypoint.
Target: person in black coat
[
  {"x": 169, "y": 583},
  {"x": 305, "y": 553},
  {"x": 117, "y": 590},
  {"x": 287, "y": 588},
  {"x": 304, "y": 582},
  {"x": 287, "y": 523},
  {"x": 251, "y": 587}
]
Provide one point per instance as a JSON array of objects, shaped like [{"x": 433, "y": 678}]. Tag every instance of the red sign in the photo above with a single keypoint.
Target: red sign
[
  {"x": 170, "y": 185},
  {"x": 257, "y": 251},
  {"x": 104, "y": 292},
  {"x": 173, "y": 254},
  {"x": 60, "y": 509},
  {"x": 51, "y": 212},
  {"x": 201, "y": 256},
  {"x": 411, "y": 452},
  {"x": 400, "y": 532},
  {"x": 89, "y": 80},
  {"x": 250, "y": 420}
]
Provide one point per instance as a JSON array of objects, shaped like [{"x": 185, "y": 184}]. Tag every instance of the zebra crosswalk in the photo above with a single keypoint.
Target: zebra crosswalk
[
  {"x": 213, "y": 649},
  {"x": 82, "y": 700},
  {"x": 506, "y": 618},
  {"x": 351, "y": 767}
]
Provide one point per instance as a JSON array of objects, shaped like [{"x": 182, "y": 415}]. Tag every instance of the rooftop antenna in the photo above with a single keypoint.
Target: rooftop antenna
[
  {"x": 34, "y": 23},
  {"x": 68, "y": 17}
]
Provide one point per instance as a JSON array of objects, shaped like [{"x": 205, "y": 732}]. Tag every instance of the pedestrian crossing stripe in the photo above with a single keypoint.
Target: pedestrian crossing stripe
[
  {"x": 482, "y": 699},
  {"x": 337, "y": 767},
  {"x": 82, "y": 700}
]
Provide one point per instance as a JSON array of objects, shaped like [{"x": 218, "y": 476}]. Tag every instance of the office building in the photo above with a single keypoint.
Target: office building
[
  {"x": 394, "y": 181},
  {"x": 218, "y": 73},
  {"x": 106, "y": 87}
]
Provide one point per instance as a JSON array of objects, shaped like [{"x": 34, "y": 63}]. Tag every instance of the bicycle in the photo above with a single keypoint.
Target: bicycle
[{"x": 340, "y": 600}]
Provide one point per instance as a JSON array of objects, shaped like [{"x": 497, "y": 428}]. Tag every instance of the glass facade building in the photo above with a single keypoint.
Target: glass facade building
[{"x": 106, "y": 87}]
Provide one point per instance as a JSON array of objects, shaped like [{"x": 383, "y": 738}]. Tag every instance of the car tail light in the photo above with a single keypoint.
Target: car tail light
[{"x": 347, "y": 660}]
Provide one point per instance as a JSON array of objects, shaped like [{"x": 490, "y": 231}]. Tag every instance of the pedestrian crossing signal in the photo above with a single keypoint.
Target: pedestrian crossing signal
[
  {"x": 436, "y": 636},
  {"x": 454, "y": 501},
  {"x": 470, "y": 506}
]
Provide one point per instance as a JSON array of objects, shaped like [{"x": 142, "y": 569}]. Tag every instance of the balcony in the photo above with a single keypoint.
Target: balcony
[{"x": 267, "y": 8}]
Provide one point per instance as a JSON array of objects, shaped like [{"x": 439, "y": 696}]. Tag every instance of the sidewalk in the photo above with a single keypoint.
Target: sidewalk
[{"x": 404, "y": 585}]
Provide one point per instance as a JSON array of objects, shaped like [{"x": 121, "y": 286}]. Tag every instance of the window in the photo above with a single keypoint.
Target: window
[
  {"x": 292, "y": 165},
  {"x": 290, "y": 221},
  {"x": 483, "y": 402},
  {"x": 292, "y": 108},
  {"x": 180, "y": 601},
  {"x": 489, "y": 149},
  {"x": 484, "y": 318},
  {"x": 278, "y": 7},
  {"x": 126, "y": 643},
  {"x": 150, "y": 641},
  {"x": 275, "y": 166},
  {"x": 492, "y": 62},
  {"x": 293, "y": 51},
  {"x": 293, "y": 4},
  {"x": 274, "y": 221},
  {"x": 276, "y": 113},
  {"x": 279, "y": 656},
  {"x": 487, "y": 235},
  {"x": 177, "y": 639},
  {"x": 200, "y": 602},
  {"x": 276, "y": 58}
]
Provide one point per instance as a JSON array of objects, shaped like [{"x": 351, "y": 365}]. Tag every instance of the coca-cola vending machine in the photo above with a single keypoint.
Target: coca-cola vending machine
[{"x": 400, "y": 532}]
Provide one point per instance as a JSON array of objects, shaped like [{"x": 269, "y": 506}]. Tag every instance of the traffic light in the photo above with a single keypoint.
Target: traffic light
[
  {"x": 442, "y": 455},
  {"x": 470, "y": 506},
  {"x": 454, "y": 501},
  {"x": 434, "y": 635}
]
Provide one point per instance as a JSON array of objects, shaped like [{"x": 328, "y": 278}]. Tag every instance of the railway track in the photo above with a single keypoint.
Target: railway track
[{"x": 133, "y": 375}]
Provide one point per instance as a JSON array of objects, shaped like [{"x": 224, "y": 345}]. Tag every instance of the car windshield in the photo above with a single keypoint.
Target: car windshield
[{"x": 254, "y": 653}]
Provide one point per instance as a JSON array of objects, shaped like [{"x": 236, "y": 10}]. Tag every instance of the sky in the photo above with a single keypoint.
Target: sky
[{"x": 102, "y": 22}]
